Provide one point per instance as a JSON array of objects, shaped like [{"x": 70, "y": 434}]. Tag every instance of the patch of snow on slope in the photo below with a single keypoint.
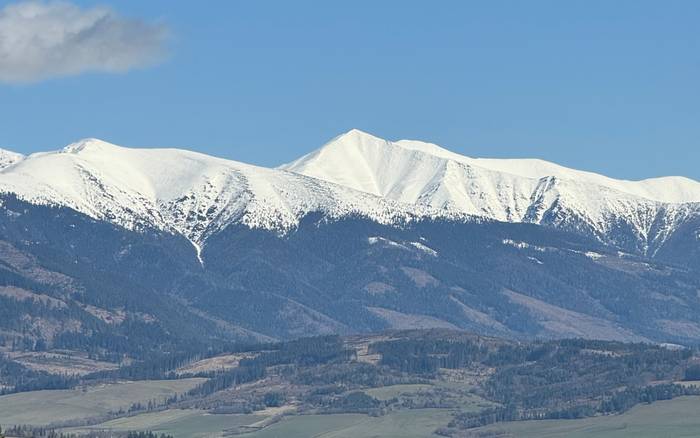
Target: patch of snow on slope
[
  {"x": 424, "y": 248},
  {"x": 8, "y": 158},
  {"x": 523, "y": 245},
  {"x": 593, "y": 255},
  {"x": 388, "y": 242}
]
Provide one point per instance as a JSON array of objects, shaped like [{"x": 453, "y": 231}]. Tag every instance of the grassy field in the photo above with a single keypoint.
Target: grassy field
[
  {"x": 674, "y": 418},
  {"x": 665, "y": 419},
  {"x": 46, "y": 407},
  {"x": 389, "y": 392},
  {"x": 178, "y": 423},
  {"x": 196, "y": 424},
  {"x": 418, "y": 423},
  {"x": 406, "y": 423}
]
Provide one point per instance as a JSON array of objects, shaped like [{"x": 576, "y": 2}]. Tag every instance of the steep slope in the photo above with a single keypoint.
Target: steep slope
[
  {"x": 413, "y": 176},
  {"x": 69, "y": 281},
  {"x": 637, "y": 215},
  {"x": 74, "y": 282},
  {"x": 674, "y": 189}
]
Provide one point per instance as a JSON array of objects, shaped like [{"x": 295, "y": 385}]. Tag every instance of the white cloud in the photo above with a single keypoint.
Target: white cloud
[{"x": 39, "y": 40}]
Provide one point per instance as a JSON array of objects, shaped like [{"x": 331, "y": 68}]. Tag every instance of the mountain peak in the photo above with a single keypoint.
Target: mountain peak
[
  {"x": 88, "y": 144},
  {"x": 350, "y": 159},
  {"x": 354, "y": 138},
  {"x": 355, "y": 133}
]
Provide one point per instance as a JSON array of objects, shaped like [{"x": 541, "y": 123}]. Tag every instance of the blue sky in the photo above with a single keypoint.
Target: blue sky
[{"x": 607, "y": 86}]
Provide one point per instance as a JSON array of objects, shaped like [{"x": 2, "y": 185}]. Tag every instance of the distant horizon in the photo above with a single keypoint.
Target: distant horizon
[{"x": 609, "y": 87}]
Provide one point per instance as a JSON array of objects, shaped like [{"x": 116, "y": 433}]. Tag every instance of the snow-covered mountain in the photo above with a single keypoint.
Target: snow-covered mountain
[
  {"x": 355, "y": 174},
  {"x": 511, "y": 190},
  {"x": 182, "y": 191},
  {"x": 361, "y": 235}
]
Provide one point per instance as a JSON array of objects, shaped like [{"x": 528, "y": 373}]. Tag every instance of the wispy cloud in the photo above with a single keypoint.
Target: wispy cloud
[{"x": 40, "y": 40}]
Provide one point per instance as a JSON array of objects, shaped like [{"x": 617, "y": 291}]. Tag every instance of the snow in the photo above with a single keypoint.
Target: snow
[
  {"x": 512, "y": 190},
  {"x": 370, "y": 164},
  {"x": 365, "y": 162},
  {"x": 373, "y": 240},
  {"x": 523, "y": 245},
  {"x": 197, "y": 195},
  {"x": 426, "y": 249},
  {"x": 593, "y": 255},
  {"x": 8, "y": 158},
  {"x": 184, "y": 192},
  {"x": 671, "y": 189}
]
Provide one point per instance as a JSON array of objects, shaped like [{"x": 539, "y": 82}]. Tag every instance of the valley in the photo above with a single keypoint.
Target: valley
[{"x": 414, "y": 383}]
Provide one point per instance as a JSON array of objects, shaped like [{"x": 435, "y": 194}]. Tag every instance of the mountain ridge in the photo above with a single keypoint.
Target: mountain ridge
[
  {"x": 689, "y": 190},
  {"x": 182, "y": 191},
  {"x": 356, "y": 173},
  {"x": 510, "y": 190}
]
